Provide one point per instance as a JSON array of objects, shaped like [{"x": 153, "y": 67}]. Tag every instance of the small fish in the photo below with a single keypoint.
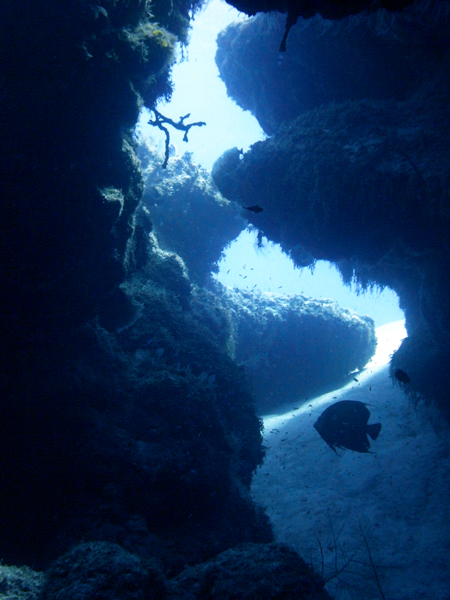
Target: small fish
[
  {"x": 354, "y": 379},
  {"x": 345, "y": 425},
  {"x": 254, "y": 209},
  {"x": 402, "y": 376}
]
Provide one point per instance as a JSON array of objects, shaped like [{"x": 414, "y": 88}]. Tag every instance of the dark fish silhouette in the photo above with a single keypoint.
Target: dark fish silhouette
[
  {"x": 402, "y": 376},
  {"x": 344, "y": 425},
  {"x": 254, "y": 209}
]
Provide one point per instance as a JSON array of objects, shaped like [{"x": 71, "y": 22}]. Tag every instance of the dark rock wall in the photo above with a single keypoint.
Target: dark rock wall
[
  {"x": 141, "y": 435},
  {"x": 73, "y": 76},
  {"x": 364, "y": 183},
  {"x": 123, "y": 419}
]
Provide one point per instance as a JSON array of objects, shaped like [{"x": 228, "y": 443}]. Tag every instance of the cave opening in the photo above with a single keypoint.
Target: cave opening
[
  {"x": 243, "y": 265},
  {"x": 160, "y": 429},
  {"x": 199, "y": 91},
  {"x": 246, "y": 266}
]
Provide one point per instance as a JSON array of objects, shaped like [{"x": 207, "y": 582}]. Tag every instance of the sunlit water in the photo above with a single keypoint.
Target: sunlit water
[{"x": 268, "y": 269}]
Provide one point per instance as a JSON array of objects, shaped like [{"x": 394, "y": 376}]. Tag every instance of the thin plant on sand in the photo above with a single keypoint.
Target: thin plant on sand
[{"x": 350, "y": 571}]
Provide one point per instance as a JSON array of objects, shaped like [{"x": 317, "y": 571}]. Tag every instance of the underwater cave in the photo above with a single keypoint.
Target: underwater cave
[{"x": 225, "y": 310}]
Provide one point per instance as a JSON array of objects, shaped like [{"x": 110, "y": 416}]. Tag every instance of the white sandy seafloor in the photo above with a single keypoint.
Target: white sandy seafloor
[{"x": 398, "y": 497}]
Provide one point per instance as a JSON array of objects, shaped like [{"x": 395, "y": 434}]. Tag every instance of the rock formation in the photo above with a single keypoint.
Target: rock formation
[
  {"x": 189, "y": 216},
  {"x": 294, "y": 347},
  {"x": 124, "y": 420},
  {"x": 362, "y": 182}
]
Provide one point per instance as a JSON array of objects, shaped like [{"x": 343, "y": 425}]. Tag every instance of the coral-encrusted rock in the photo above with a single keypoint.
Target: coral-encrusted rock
[
  {"x": 105, "y": 572},
  {"x": 365, "y": 185},
  {"x": 361, "y": 178},
  {"x": 250, "y": 572},
  {"x": 326, "y": 61},
  {"x": 20, "y": 583},
  {"x": 293, "y": 347},
  {"x": 190, "y": 217}
]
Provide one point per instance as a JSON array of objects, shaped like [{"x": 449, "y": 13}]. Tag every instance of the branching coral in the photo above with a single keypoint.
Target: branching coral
[{"x": 160, "y": 120}]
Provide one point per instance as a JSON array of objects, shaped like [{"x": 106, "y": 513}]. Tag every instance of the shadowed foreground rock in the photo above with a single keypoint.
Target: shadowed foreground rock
[
  {"x": 105, "y": 572},
  {"x": 247, "y": 572},
  {"x": 118, "y": 411},
  {"x": 250, "y": 572}
]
